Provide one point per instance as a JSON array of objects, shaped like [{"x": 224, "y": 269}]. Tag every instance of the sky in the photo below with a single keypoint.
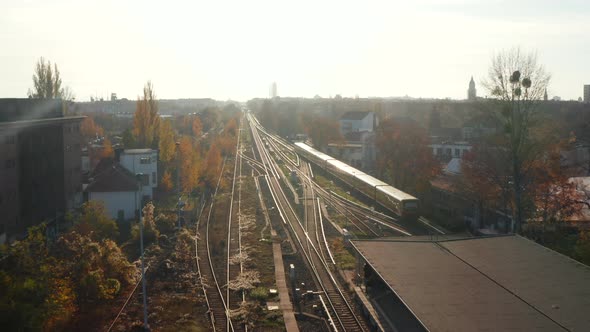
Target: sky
[{"x": 236, "y": 49}]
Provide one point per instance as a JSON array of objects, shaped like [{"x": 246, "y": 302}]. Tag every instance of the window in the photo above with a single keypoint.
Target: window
[
  {"x": 448, "y": 151},
  {"x": 144, "y": 160},
  {"x": 145, "y": 179},
  {"x": 153, "y": 177},
  {"x": 457, "y": 152}
]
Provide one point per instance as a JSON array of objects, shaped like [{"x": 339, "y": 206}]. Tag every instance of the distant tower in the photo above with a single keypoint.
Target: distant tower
[
  {"x": 273, "y": 90},
  {"x": 545, "y": 97},
  {"x": 472, "y": 92}
]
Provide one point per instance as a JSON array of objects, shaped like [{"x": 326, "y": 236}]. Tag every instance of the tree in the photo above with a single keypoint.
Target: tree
[
  {"x": 404, "y": 158},
  {"x": 166, "y": 182},
  {"x": 146, "y": 120},
  {"x": 189, "y": 164},
  {"x": 89, "y": 129},
  {"x": 212, "y": 166},
  {"x": 95, "y": 222},
  {"x": 197, "y": 127},
  {"x": 167, "y": 144},
  {"x": 107, "y": 149},
  {"x": 128, "y": 139},
  {"x": 36, "y": 288},
  {"x": 517, "y": 84},
  {"x": 46, "y": 81},
  {"x": 323, "y": 130}
]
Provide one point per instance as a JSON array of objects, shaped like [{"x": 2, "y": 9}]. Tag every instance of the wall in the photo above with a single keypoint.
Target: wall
[
  {"x": 115, "y": 201},
  {"x": 132, "y": 162}
]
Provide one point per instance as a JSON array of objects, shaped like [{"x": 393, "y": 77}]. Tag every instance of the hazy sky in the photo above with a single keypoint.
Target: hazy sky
[{"x": 235, "y": 49}]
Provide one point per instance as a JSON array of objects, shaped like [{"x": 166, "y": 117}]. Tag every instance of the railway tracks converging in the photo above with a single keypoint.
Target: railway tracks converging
[{"x": 340, "y": 313}]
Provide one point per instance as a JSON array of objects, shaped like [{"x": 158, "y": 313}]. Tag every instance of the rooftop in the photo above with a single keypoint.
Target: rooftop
[
  {"x": 112, "y": 177},
  {"x": 23, "y": 109},
  {"x": 494, "y": 283},
  {"x": 138, "y": 151}
]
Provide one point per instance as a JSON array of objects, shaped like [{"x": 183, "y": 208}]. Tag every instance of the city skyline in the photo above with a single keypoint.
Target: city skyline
[{"x": 427, "y": 49}]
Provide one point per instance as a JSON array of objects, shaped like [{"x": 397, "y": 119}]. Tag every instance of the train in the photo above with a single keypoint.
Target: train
[{"x": 400, "y": 203}]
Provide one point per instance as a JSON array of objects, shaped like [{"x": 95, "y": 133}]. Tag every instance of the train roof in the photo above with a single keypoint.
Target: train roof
[
  {"x": 394, "y": 192},
  {"x": 370, "y": 180},
  {"x": 313, "y": 151}
]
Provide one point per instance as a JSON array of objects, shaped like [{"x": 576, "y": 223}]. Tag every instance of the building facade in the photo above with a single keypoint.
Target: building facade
[
  {"x": 40, "y": 167},
  {"x": 357, "y": 121},
  {"x": 145, "y": 162},
  {"x": 587, "y": 93}
]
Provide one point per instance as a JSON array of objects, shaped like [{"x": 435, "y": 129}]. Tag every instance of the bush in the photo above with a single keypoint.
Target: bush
[
  {"x": 164, "y": 224},
  {"x": 259, "y": 293}
]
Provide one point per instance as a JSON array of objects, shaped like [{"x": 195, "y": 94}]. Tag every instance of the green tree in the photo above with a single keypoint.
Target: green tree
[
  {"x": 47, "y": 82},
  {"x": 36, "y": 291},
  {"x": 94, "y": 221},
  {"x": 517, "y": 83}
]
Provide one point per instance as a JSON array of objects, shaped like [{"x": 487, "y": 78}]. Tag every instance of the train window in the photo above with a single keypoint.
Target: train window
[{"x": 411, "y": 205}]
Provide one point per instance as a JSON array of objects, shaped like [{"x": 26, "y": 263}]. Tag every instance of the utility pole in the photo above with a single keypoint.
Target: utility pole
[
  {"x": 145, "y": 317},
  {"x": 178, "y": 183}
]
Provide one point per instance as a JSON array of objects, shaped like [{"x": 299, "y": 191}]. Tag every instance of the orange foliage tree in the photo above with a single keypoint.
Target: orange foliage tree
[
  {"x": 166, "y": 144},
  {"x": 197, "y": 127},
  {"x": 212, "y": 166},
  {"x": 107, "y": 149},
  {"x": 146, "y": 120},
  {"x": 166, "y": 182},
  {"x": 89, "y": 129},
  {"x": 189, "y": 164},
  {"x": 404, "y": 158}
]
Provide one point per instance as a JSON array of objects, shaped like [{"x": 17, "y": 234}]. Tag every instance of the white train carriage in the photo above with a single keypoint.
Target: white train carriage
[{"x": 399, "y": 202}]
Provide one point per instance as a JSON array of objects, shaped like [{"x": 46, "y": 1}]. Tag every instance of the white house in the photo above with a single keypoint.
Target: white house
[
  {"x": 144, "y": 161},
  {"x": 450, "y": 149},
  {"x": 357, "y": 121},
  {"x": 116, "y": 187}
]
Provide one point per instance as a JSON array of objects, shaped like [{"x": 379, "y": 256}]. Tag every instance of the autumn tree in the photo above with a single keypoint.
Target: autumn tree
[
  {"x": 146, "y": 120},
  {"x": 404, "y": 158},
  {"x": 37, "y": 292},
  {"x": 166, "y": 183},
  {"x": 189, "y": 164},
  {"x": 95, "y": 222},
  {"x": 89, "y": 129},
  {"x": 517, "y": 84},
  {"x": 197, "y": 127},
  {"x": 167, "y": 144},
  {"x": 212, "y": 166},
  {"x": 107, "y": 149}
]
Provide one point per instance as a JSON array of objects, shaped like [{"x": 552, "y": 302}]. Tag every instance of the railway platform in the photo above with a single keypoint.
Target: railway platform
[{"x": 285, "y": 302}]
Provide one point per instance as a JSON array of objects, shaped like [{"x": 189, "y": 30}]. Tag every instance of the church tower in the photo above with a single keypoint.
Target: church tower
[
  {"x": 472, "y": 92},
  {"x": 545, "y": 97}
]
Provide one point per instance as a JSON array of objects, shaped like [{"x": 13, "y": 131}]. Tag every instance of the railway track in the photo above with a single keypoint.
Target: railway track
[
  {"x": 341, "y": 315},
  {"x": 218, "y": 309},
  {"x": 234, "y": 242}
]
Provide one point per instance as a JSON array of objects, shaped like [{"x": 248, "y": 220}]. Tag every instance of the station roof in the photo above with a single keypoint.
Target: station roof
[{"x": 483, "y": 284}]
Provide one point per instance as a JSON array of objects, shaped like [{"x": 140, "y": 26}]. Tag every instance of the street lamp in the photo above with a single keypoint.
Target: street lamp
[{"x": 139, "y": 177}]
